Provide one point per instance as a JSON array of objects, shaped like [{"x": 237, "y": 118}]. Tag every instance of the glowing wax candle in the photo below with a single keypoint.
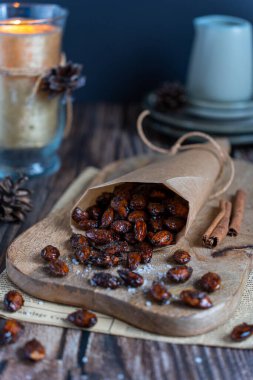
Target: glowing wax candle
[{"x": 27, "y": 46}]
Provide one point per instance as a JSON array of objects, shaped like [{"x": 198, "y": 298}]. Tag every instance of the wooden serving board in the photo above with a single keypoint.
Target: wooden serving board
[{"x": 26, "y": 269}]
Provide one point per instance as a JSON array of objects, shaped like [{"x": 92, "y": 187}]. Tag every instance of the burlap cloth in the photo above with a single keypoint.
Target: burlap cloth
[{"x": 41, "y": 312}]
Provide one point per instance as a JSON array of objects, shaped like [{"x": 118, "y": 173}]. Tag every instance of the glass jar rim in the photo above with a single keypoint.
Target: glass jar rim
[{"x": 16, "y": 5}]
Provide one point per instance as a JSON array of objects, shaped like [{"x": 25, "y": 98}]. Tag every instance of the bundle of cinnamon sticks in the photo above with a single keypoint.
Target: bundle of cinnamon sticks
[{"x": 227, "y": 221}]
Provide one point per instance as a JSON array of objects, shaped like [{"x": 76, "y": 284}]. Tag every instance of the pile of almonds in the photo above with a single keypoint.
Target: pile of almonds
[{"x": 123, "y": 227}]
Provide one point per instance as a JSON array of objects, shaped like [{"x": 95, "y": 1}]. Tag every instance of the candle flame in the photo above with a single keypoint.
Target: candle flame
[
  {"x": 16, "y": 5},
  {"x": 16, "y": 22}
]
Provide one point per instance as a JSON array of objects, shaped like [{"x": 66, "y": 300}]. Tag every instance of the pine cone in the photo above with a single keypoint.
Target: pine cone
[
  {"x": 15, "y": 201},
  {"x": 170, "y": 97},
  {"x": 63, "y": 79}
]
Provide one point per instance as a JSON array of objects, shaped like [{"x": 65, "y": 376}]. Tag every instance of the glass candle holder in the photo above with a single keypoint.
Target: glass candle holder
[{"x": 31, "y": 122}]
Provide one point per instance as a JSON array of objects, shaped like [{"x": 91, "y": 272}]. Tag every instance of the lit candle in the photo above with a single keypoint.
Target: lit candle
[{"x": 27, "y": 48}]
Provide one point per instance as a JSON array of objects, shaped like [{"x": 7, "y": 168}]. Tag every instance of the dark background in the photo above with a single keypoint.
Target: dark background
[{"x": 129, "y": 47}]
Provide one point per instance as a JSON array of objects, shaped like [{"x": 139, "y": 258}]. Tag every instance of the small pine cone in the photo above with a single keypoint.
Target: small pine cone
[
  {"x": 170, "y": 97},
  {"x": 63, "y": 79},
  {"x": 15, "y": 201}
]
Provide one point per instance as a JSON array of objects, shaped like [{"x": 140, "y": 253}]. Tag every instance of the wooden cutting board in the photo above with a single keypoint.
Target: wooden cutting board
[{"x": 26, "y": 269}]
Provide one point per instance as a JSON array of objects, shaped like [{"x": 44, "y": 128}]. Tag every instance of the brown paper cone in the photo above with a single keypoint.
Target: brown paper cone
[{"x": 190, "y": 174}]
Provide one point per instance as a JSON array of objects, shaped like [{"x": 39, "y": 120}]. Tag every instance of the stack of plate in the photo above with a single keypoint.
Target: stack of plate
[{"x": 231, "y": 120}]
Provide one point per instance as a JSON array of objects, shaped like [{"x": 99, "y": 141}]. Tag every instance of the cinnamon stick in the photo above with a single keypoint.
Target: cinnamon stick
[
  {"x": 238, "y": 213},
  {"x": 217, "y": 219},
  {"x": 219, "y": 226}
]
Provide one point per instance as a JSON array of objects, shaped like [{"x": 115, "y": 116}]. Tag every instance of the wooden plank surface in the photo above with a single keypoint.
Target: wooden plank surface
[{"x": 101, "y": 134}]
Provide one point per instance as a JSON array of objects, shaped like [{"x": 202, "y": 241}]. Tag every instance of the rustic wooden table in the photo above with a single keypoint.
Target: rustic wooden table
[{"x": 101, "y": 134}]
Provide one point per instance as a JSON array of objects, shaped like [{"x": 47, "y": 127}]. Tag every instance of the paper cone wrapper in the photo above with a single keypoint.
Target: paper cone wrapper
[{"x": 190, "y": 174}]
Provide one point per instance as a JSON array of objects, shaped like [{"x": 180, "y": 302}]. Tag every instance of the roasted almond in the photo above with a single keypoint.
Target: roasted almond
[
  {"x": 82, "y": 318},
  {"x": 131, "y": 278},
  {"x": 162, "y": 238},
  {"x": 181, "y": 257},
  {"x": 159, "y": 292},
  {"x": 196, "y": 299},
  {"x": 179, "y": 274},
  {"x": 210, "y": 282}
]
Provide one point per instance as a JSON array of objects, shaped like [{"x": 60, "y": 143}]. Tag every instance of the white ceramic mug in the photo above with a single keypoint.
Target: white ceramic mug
[{"x": 220, "y": 68}]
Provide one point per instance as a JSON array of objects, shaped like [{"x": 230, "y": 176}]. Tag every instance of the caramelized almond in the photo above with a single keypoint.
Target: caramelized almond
[
  {"x": 181, "y": 257},
  {"x": 83, "y": 318},
  {"x": 241, "y": 332},
  {"x": 162, "y": 238},
  {"x": 179, "y": 274},
  {"x": 133, "y": 260},
  {"x": 131, "y": 278},
  {"x": 159, "y": 292},
  {"x": 107, "y": 217},
  {"x": 178, "y": 207},
  {"x": 34, "y": 350},
  {"x": 13, "y": 301},
  {"x": 78, "y": 240},
  {"x": 50, "y": 253},
  {"x": 10, "y": 331},
  {"x": 121, "y": 226},
  {"x": 100, "y": 236},
  {"x": 105, "y": 280},
  {"x": 58, "y": 268},
  {"x": 140, "y": 230},
  {"x": 78, "y": 215},
  {"x": 196, "y": 299},
  {"x": 174, "y": 223},
  {"x": 210, "y": 282},
  {"x": 134, "y": 216}
]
